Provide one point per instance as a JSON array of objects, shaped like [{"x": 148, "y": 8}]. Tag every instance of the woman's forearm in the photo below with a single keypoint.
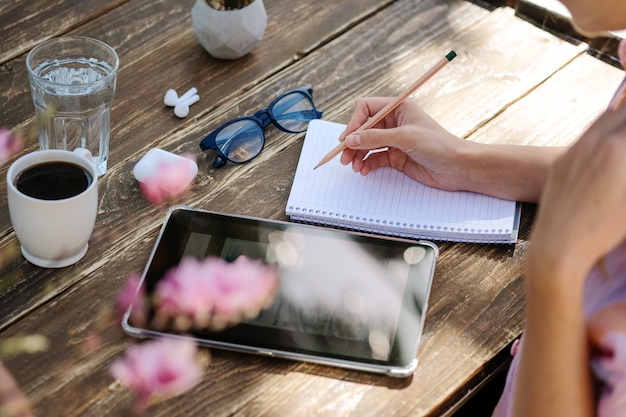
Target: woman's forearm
[{"x": 512, "y": 172}]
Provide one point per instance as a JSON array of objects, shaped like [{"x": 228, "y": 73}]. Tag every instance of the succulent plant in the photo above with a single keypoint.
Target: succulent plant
[{"x": 228, "y": 4}]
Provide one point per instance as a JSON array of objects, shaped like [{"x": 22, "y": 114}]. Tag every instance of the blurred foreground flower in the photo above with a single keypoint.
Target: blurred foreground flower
[
  {"x": 133, "y": 294},
  {"x": 610, "y": 369},
  {"x": 213, "y": 293},
  {"x": 9, "y": 145},
  {"x": 170, "y": 180},
  {"x": 210, "y": 293},
  {"x": 13, "y": 403},
  {"x": 158, "y": 369}
]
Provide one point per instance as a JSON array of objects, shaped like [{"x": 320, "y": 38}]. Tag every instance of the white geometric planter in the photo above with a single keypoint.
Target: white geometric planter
[{"x": 229, "y": 34}]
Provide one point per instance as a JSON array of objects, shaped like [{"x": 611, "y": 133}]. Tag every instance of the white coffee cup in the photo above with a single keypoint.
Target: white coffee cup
[{"x": 53, "y": 230}]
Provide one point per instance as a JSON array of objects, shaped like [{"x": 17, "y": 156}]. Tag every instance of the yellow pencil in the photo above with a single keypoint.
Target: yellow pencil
[{"x": 390, "y": 106}]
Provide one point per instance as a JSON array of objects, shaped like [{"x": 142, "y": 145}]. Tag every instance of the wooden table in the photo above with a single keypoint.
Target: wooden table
[{"x": 513, "y": 82}]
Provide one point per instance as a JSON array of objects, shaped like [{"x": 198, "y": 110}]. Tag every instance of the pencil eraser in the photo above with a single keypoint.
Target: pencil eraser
[{"x": 148, "y": 165}]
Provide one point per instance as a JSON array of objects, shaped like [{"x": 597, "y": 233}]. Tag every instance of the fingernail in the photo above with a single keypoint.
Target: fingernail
[{"x": 353, "y": 140}]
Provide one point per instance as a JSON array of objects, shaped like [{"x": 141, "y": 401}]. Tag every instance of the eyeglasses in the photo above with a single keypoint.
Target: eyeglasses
[{"x": 242, "y": 139}]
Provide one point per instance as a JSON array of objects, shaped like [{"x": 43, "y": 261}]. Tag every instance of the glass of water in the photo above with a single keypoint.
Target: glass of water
[{"x": 72, "y": 81}]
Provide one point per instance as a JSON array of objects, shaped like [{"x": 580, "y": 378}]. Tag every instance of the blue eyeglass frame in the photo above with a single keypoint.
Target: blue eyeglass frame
[{"x": 263, "y": 118}]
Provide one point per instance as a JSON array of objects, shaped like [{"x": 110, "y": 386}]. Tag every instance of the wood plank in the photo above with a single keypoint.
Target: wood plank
[
  {"x": 131, "y": 29},
  {"x": 139, "y": 112},
  {"x": 417, "y": 33},
  {"x": 23, "y": 24},
  {"x": 146, "y": 219},
  {"x": 554, "y": 16},
  {"x": 578, "y": 93},
  {"x": 156, "y": 52}
]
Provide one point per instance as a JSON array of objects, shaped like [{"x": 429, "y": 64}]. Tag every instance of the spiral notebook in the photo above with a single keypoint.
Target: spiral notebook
[{"x": 390, "y": 203}]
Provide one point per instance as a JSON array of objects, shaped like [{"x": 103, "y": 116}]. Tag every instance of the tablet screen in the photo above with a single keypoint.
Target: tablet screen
[{"x": 344, "y": 298}]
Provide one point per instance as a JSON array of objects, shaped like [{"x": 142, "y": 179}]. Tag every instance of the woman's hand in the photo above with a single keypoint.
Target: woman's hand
[
  {"x": 411, "y": 142},
  {"x": 582, "y": 210},
  {"x": 407, "y": 140}
]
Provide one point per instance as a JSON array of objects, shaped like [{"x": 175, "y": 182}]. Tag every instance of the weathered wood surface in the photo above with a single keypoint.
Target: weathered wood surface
[
  {"x": 154, "y": 58},
  {"x": 26, "y": 23},
  {"x": 554, "y": 16},
  {"x": 511, "y": 83}
]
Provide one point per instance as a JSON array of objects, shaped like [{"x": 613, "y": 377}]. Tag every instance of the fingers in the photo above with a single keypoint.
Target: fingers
[
  {"x": 374, "y": 161},
  {"x": 371, "y": 139},
  {"x": 361, "y": 142},
  {"x": 354, "y": 157},
  {"x": 584, "y": 195},
  {"x": 365, "y": 108}
]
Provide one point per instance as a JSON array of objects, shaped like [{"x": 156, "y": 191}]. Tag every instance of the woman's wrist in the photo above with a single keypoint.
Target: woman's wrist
[
  {"x": 507, "y": 171},
  {"x": 552, "y": 275}
]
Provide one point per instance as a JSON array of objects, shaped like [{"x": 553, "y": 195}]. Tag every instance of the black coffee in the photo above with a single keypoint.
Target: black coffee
[{"x": 53, "y": 180}]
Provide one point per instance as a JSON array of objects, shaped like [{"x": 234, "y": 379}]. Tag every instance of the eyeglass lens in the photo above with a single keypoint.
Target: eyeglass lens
[
  {"x": 240, "y": 141},
  {"x": 293, "y": 112},
  {"x": 243, "y": 140}
]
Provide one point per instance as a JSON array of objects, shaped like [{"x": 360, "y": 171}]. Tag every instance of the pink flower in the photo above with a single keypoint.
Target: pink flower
[
  {"x": 611, "y": 370},
  {"x": 9, "y": 145},
  {"x": 159, "y": 368},
  {"x": 240, "y": 286},
  {"x": 184, "y": 291},
  {"x": 215, "y": 293},
  {"x": 132, "y": 294},
  {"x": 170, "y": 180}
]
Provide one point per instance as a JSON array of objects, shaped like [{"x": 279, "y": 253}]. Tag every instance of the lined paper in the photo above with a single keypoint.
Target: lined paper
[{"x": 388, "y": 202}]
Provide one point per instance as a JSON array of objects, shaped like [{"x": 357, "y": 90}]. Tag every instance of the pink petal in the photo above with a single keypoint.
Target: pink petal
[
  {"x": 170, "y": 181},
  {"x": 9, "y": 145},
  {"x": 180, "y": 291},
  {"x": 130, "y": 293},
  {"x": 216, "y": 288},
  {"x": 133, "y": 294},
  {"x": 163, "y": 367},
  {"x": 246, "y": 285},
  {"x": 613, "y": 370}
]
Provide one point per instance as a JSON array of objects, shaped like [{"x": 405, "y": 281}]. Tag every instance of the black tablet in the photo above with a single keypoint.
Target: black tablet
[{"x": 345, "y": 299}]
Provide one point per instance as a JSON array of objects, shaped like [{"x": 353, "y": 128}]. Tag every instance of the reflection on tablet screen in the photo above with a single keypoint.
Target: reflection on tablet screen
[{"x": 342, "y": 296}]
